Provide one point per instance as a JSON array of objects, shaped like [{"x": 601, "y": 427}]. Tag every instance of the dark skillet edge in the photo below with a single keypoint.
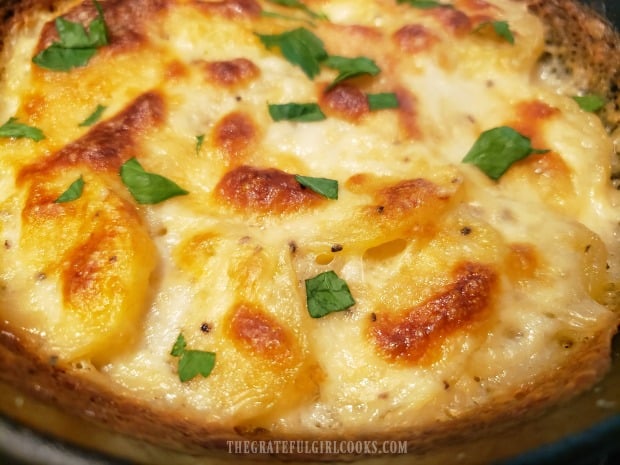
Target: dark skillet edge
[
  {"x": 596, "y": 445},
  {"x": 20, "y": 445},
  {"x": 599, "y": 444}
]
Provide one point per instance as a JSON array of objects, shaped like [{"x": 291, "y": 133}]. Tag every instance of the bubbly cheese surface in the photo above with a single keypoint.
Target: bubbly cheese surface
[{"x": 467, "y": 290}]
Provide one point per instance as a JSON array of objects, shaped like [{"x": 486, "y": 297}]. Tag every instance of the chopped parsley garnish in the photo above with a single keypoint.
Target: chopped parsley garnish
[
  {"x": 73, "y": 192},
  {"x": 351, "y": 67},
  {"x": 147, "y": 188},
  {"x": 501, "y": 28},
  {"x": 199, "y": 141},
  {"x": 94, "y": 116},
  {"x": 192, "y": 362},
  {"x": 299, "y": 112},
  {"x": 19, "y": 130},
  {"x": 497, "y": 149},
  {"x": 424, "y": 4},
  {"x": 76, "y": 46},
  {"x": 179, "y": 346},
  {"x": 382, "y": 101},
  {"x": 300, "y": 6},
  {"x": 327, "y": 293},
  {"x": 590, "y": 102},
  {"x": 300, "y": 47},
  {"x": 326, "y": 187}
]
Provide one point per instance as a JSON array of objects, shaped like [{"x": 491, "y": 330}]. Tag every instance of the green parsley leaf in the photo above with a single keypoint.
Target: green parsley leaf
[
  {"x": 73, "y": 192},
  {"x": 300, "y": 47},
  {"x": 326, "y": 187},
  {"x": 192, "y": 362},
  {"x": 590, "y": 102},
  {"x": 76, "y": 46},
  {"x": 327, "y": 293},
  {"x": 424, "y": 4},
  {"x": 299, "y": 5},
  {"x": 59, "y": 58},
  {"x": 147, "y": 188},
  {"x": 93, "y": 117},
  {"x": 299, "y": 112},
  {"x": 501, "y": 28},
  {"x": 199, "y": 141},
  {"x": 179, "y": 346},
  {"x": 351, "y": 67},
  {"x": 382, "y": 101},
  {"x": 19, "y": 130},
  {"x": 497, "y": 149},
  {"x": 195, "y": 362}
]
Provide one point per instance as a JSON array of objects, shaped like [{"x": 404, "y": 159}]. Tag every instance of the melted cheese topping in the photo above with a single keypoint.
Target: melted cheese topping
[{"x": 459, "y": 281}]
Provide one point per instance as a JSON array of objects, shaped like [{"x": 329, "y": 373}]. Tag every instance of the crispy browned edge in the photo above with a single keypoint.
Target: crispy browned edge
[
  {"x": 575, "y": 35},
  {"x": 582, "y": 46}
]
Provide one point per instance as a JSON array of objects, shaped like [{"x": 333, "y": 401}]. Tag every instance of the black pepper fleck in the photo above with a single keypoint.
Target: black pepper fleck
[
  {"x": 336, "y": 248},
  {"x": 380, "y": 209},
  {"x": 466, "y": 230},
  {"x": 205, "y": 328},
  {"x": 373, "y": 316},
  {"x": 292, "y": 246}
]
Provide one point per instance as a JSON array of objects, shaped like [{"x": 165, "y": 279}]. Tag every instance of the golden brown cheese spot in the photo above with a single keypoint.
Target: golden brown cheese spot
[
  {"x": 110, "y": 143},
  {"x": 409, "y": 337},
  {"x": 344, "y": 101},
  {"x": 35, "y": 105},
  {"x": 414, "y": 38},
  {"x": 232, "y": 8},
  {"x": 409, "y": 195},
  {"x": 231, "y": 73},
  {"x": 549, "y": 176},
  {"x": 253, "y": 330},
  {"x": 358, "y": 182},
  {"x": 234, "y": 133},
  {"x": 176, "y": 70},
  {"x": 522, "y": 261},
  {"x": 549, "y": 165},
  {"x": 84, "y": 265},
  {"x": 454, "y": 21},
  {"x": 40, "y": 206},
  {"x": 531, "y": 116},
  {"x": 194, "y": 253},
  {"x": 264, "y": 190},
  {"x": 408, "y": 113},
  {"x": 408, "y": 209},
  {"x": 126, "y": 21}
]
